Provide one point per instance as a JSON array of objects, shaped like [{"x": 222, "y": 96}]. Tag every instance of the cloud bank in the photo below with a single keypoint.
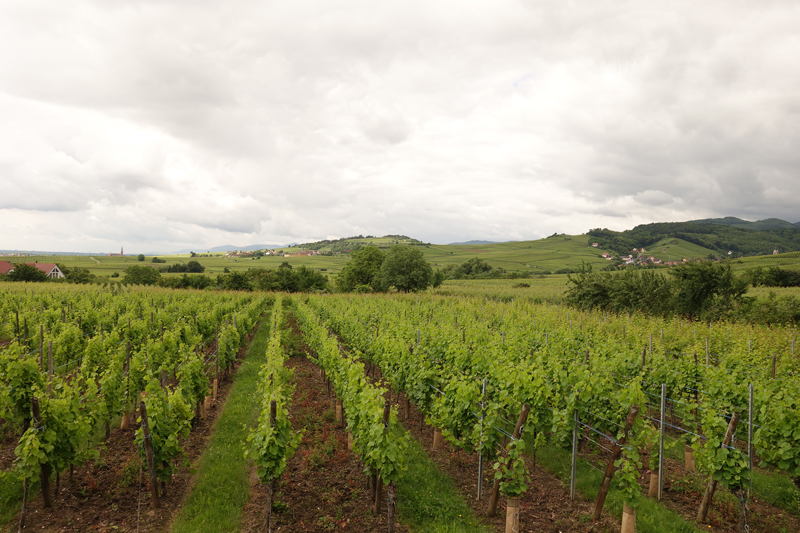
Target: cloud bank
[{"x": 173, "y": 124}]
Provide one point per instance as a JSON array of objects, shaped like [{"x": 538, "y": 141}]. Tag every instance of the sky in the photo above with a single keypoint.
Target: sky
[{"x": 169, "y": 124}]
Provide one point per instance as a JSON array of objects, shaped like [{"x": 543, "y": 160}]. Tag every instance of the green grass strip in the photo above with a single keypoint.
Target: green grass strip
[
  {"x": 223, "y": 478},
  {"x": 651, "y": 517},
  {"x": 11, "y": 497},
  {"x": 776, "y": 489},
  {"x": 428, "y": 500}
]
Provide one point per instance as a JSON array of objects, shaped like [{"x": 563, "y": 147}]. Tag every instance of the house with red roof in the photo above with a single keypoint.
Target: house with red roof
[{"x": 50, "y": 269}]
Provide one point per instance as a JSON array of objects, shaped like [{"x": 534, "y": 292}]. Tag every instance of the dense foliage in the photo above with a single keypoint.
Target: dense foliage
[
  {"x": 141, "y": 275},
  {"x": 272, "y": 441},
  {"x": 698, "y": 290},
  {"x": 556, "y": 361},
  {"x": 362, "y": 273},
  {"x": 475, "y": 268},
  {"x": 191, "y": 266},
  {"x": 405, "y": 269}
]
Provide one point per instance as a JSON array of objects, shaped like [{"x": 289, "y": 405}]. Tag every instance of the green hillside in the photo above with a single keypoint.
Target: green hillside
[
  {"x": 553, "y": 253},
  {"x": 672, "y": 249},
  {"x": 717, "y": 237}
]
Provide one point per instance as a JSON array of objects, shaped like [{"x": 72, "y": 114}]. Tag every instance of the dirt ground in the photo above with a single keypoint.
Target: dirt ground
[
  {"x": 324, "y": 487},
  {"x": 683, "y": 492}
]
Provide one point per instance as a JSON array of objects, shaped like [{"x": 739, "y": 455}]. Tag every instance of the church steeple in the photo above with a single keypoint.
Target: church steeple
[{"x": 121, "y": 251}]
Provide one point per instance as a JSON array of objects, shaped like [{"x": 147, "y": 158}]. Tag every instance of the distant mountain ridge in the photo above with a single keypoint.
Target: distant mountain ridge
[
  {"x": 473, "y": 242},
  {"x": 767, "y": 223}
]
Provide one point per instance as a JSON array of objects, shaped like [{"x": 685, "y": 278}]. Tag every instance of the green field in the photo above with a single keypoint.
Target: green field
[{"x": 538, "y": 289}]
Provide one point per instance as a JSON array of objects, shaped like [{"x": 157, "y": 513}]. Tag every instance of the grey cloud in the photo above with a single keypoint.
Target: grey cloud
[
  {"x": 232, "y": 214},
  {"x": 651, "y": 197},
  {"x": 450, "y": 120},
  {"x": 388, "y": 130}
]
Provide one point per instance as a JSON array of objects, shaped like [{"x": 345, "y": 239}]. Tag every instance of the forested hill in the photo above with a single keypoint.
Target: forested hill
[
  {"x": 767, "y": 223},
  {"x": 714, "y": 235}
]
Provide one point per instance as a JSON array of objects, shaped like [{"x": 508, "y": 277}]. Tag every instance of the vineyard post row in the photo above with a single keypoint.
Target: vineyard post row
[
  {"x": 366, "y": 330},
  {"x": 452, "y": 410},
  {"x": 372, "y": 424},
  {"x": 273, "y": 442}
]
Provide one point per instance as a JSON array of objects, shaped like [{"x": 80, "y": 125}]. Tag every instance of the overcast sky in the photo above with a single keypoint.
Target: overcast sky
[{"x": 160, "y": 125}]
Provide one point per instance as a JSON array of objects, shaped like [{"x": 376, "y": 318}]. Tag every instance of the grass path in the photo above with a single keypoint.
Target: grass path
[
  {"x": 222, "y": 483},
  {"x": 428, "y": 500}
]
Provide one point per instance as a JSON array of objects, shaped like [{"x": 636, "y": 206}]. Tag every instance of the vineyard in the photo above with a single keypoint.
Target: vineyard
[
  {"x": 727, "y": 395},
  {"x": 75, "y": 360},
  {"x": 698, "y": 419}
]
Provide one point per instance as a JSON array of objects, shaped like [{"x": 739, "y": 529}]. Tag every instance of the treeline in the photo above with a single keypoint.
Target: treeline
[
  {"x": 475, "y": 268},
  {"x": 192, "y": 266},
  {"x": 285, "y": 278},
  {"x": 699, "y": 290},
  {"x": 717, "y": 237}
]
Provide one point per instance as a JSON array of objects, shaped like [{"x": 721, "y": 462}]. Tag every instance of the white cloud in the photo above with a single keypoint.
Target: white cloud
[{"x": 177, "y": 124}]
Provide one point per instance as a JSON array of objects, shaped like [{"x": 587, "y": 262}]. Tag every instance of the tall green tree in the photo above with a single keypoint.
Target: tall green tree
[
  {"x": 363, "y": 270},
  {"x": 405, "y": 269},
  {"x": 194, "y": 266},
  {"x": 23, "y": 272},
  {"x": 141, "y": 275}
]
